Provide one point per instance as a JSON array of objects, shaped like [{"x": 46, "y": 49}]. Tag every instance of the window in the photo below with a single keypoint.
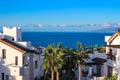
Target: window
[
  {"x": 23, "y": 60},
  {"x": 16, "y": 60},
  {"x": 99, "y": 70},
  {"x": 3, "y": 76},
  {"x": 110, "y": 71},
  {"x": 4, "y": 53},
  {"x": 36, "y": 64},
  {"x": 110, "y": 51},
  {"x": 35, "y": 78},
  {"x": 12, "y": 39},
  {"x": 7, "y": 77}
]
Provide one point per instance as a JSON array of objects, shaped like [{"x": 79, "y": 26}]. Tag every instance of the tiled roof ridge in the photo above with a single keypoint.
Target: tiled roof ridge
[{"x": 17, "y": 46}]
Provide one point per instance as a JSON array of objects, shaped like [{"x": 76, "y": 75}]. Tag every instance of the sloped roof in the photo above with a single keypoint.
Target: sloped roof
[
  {"x": 16, "y": 46},
  {"x": 99, "y": 60},
  {"x": 96, "y": 61},
  {"x": 114, "y": 36}
]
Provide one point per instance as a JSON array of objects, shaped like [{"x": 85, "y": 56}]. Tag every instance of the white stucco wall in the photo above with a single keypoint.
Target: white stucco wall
[
  {"x": 37, "y": 72},
  {"x": 9, "y": 67},
  {"x": 26, "y": 44},
  {"x": 115, "y": 51},
  {"x": 26, "y": 62},
  {"x": 105, "y": 70},
  {"x": 106, "y": 39},
  {"x": 14, "y": 32},
  {"x": 116, "y": 41}
]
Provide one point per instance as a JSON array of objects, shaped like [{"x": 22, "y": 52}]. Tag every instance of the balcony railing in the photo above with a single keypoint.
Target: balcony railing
[{"x": 111, "y": 56}]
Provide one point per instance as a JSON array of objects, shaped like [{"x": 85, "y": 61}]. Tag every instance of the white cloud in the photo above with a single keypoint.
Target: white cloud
[{"x": 40, "y": 25}]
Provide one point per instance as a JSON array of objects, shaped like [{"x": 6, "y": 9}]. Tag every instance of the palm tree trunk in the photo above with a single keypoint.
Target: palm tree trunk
[
  {"x": 69, "y": 73},
  {"x": 52, "y": 74},
  {"x": 79, "y": 72},
  {"x": 57, "y": 78}
]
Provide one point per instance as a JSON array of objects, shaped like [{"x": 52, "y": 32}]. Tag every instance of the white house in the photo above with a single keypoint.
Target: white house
[
  {"x": 104, "y": 64},
  {"x": 18, "y": 60},
  {"x": 113, "y": 54},
  {"x": 95, "y": 68}
]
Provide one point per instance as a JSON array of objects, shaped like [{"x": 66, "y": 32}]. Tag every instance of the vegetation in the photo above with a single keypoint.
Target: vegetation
[
  {"x": 91, "y": 49},
  {"x": 101, "y": 49},
  {"x": 61, "y": 63},
  {"x": 114, "y": 77},
  {"x": 53, "y": 60},
  {"x": 81, "y": 56}
]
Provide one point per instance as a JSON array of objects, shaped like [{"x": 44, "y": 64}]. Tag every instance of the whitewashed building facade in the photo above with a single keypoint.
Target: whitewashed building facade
[
  {"x": 113, "y": 54},
  {"x": 18, "y": 60},
  {"x": 95, "y": 66},
  {"x": 104, "y": 64}
]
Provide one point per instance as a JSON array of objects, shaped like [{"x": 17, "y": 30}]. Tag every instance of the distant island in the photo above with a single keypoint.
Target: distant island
[{"x": 103, "y": 27}]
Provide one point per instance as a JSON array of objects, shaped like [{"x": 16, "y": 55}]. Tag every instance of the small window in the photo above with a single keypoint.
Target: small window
[
  {"x": 110, "y": 50},
  {"x": 3, "y": 76},
  {"x": 7, "y": 77},
  {"x": 16, "y": 60},
  {"x": 36, "y": 64},
  {"x": 12, "y": 39},
  {"x": 23, "y": 60},
  {"x": 35, "y": 78},
  {"x": 4, "y": 53},
  {"x": 110, "y": 71}
]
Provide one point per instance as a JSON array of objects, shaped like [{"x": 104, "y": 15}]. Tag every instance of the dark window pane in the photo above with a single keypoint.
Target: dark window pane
[
  {"x": 3, "y": 53},
  {"x": 36, "y": 64},
  {"x": 3, "y": 76},
  {"x": 16, "y": 60}
]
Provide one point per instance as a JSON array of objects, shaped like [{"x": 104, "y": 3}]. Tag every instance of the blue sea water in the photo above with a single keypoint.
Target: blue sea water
[{"x": 68, "y": 39}]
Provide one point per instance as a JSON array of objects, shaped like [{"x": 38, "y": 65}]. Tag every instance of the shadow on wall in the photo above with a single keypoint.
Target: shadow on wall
[{"x": 5, "y": 71}]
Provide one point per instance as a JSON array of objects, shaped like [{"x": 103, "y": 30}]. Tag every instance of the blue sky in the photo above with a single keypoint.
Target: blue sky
[{"x": 17, "y": 12}]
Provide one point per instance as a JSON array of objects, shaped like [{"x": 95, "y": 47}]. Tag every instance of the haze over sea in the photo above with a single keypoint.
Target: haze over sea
[{"x": 68, "y": 39}]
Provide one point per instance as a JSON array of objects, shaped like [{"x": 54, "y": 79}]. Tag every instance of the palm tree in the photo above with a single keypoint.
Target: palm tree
[
  {"x": 55, "y": 57},
  {"x": 59, "y": 59},
  {"x": 81, "y": 57},
  {"x": 70, "y": 60},
  {"x": 53, "y": 60},
  {"x": 48, "y": 61}
]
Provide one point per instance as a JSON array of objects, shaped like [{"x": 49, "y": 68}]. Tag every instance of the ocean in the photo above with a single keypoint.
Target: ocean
[{"x": 68, "y": 39}]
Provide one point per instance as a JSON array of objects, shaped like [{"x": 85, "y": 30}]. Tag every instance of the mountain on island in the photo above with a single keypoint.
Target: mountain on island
[{"x": 107, "y": 30}]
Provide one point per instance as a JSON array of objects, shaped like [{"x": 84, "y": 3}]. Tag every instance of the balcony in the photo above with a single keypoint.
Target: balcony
[
  {"x": 23, "y": 70},
  {"x": 110, "y": 62},
  {"x": 111, "y": 56}
]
